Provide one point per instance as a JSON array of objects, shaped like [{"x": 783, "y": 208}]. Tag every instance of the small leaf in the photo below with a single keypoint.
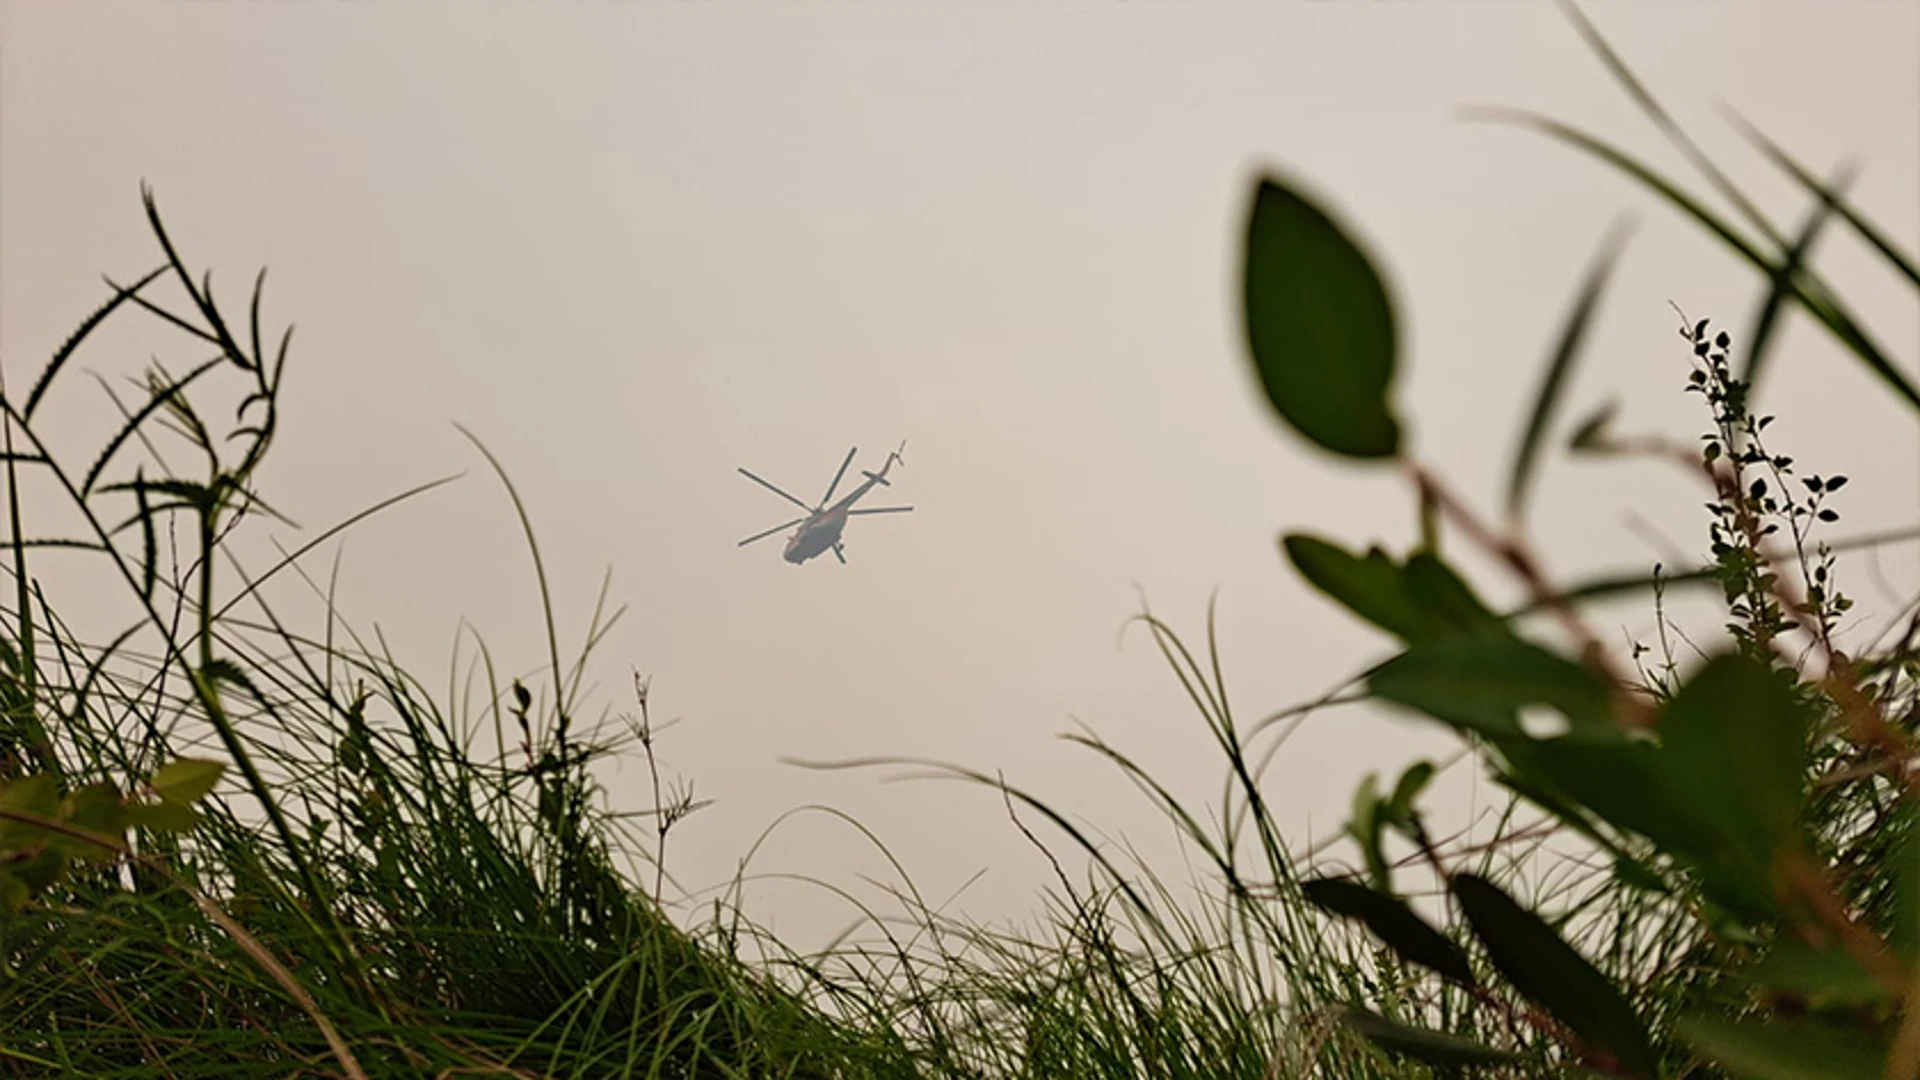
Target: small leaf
[
  {"x": 1774, "y": 1050},
  {"x": 186, "y": 780},
  {"x": 1836, "y": 483},
  {"x": 1549, "y": 972},
  {"x": 1365, "y": 830},
  {"x": 1320, "y": 325},
  {"x": 1411, "y": 783},
  {"x": 1592, "y": 431},
  {"x": 1394, "y": 923}
]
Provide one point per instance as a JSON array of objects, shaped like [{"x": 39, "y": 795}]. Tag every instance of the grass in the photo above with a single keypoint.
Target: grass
[
  {"x": 394, "y": 883},
  {"x": 399, "y": 884}
]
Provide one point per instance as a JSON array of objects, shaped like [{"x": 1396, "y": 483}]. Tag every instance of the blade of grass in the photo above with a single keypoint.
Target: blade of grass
[{"x": 1572, "y": 336}]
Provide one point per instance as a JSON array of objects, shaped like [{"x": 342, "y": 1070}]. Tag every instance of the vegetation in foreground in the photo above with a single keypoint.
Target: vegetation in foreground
[{"x": 235, "y": 846}]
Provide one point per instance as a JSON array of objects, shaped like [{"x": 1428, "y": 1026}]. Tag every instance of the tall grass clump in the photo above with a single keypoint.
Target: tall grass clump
[{"x": 232, "y": 845}]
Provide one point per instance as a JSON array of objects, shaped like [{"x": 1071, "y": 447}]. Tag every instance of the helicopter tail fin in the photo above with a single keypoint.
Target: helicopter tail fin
[{"x": 892, "y": 460}]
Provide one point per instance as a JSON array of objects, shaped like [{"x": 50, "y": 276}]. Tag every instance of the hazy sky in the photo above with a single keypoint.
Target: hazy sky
[{"x": 632, "y": 247}]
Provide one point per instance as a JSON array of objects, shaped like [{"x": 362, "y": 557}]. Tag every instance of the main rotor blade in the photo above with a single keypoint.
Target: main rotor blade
[
  {"x": 770, "y": 532},
  {"x": 881, "y": 510},
  {"x": 836, "y": 476},
  {"x": 776, "y": 491}
]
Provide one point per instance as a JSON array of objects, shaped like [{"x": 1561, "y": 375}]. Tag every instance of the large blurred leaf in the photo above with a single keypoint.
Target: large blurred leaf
[
  {"x": 1320, "y": 325},
  {"x": 1823, "y": 977},
  {"x": 1394, "y": 923},
  {"x": 1773, "y": 1050},
  {"x": 1446, "y": 605},
  {"x": 1733, "y": 751},
  {"x": 1721, "y": 790},
  {"x": 1482, "y": 683},
  {"x": 1549, "y": 972},
  {"x": 1432, "y": 1047}
]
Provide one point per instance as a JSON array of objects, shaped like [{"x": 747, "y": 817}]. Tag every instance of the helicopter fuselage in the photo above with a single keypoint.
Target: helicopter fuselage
[{"x": 816, "y": 537}]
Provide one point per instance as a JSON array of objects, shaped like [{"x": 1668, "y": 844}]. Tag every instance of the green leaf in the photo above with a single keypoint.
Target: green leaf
[
  {"x": 162, "y": 816},
  {"x": 1635, "y": 874},
  {"x": 1549, "y": 972},
  {"x": 96, "y": 809},
  {"x": 1364, "y": 827},
  {"x": 1423, "y": 600},
  {"x": 38, "y": 795},
  {"x": 1411, "y": 783},
  {"x": 1394, "y": 923},
  {"x": 14, "y": 895},
  {"x": 1432, "y": 1047},
  {"x": 1572, "y": 336},
  {"x": 1590, "y": 433},
  {"x": 1481, "y": 684},
  {"x": 1903, "y": 868},
  {"x": 1733, "y": 753},
  {"x": 187, "y": 780},
  {"x": 1620, "y": 784},
  {"x": 1824, "y": 977},
  {"x": 1445, "y": 603},
  {"x": 1369, "y": 587},
  {"x": 1320, "y": 325},
  {"x": 1785, "y": 1051}
]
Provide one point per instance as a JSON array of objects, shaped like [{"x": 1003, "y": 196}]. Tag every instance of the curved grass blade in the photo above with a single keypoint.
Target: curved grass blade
[
  {"x": 67, "y": 348},
  {"x": 561, "y": 705},
  {"x": 1666, "y": 123},
  {"x": 1782, "y": 280},
  {"x": 336, "y": 529},
  {"x": 1572, "y": 336},
  {"x": 1811, "y": 295}
]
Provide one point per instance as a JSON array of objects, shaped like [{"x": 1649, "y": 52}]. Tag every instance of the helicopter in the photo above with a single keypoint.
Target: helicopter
[{"x": 820, "y": 529}]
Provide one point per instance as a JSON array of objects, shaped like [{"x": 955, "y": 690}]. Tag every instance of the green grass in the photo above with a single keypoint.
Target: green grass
[{"x": 396, "y": 881}]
